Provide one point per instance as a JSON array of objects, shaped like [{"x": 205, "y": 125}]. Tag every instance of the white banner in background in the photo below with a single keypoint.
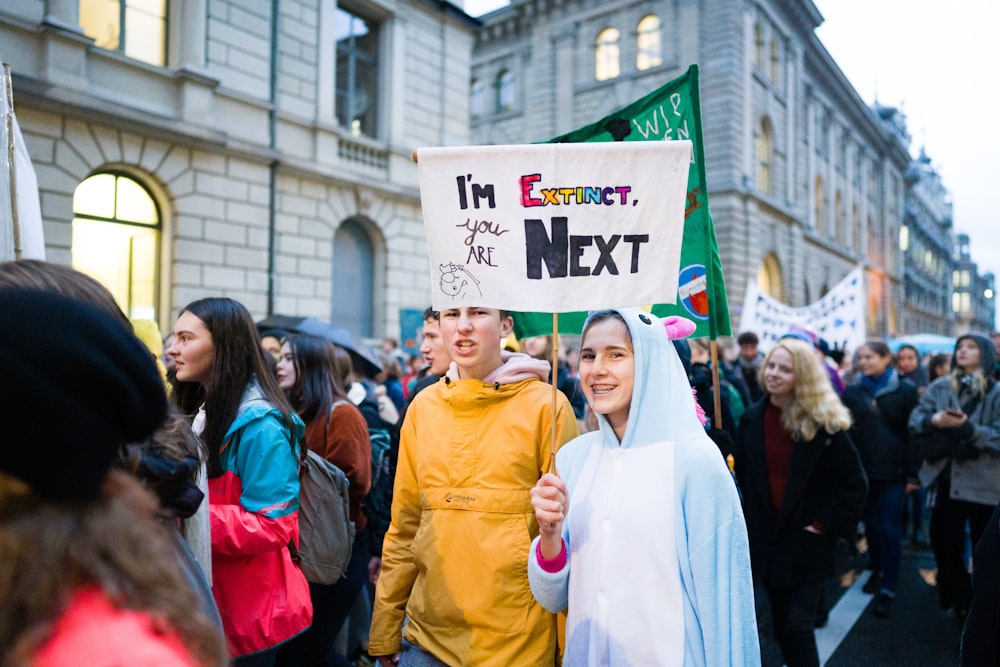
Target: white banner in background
[
  {"x": 554, "y": 227},
  {"x": 838, "y": 318}
]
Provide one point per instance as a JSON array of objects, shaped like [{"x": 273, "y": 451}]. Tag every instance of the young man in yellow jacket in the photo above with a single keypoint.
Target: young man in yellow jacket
[{"x": 454, "y": 559}]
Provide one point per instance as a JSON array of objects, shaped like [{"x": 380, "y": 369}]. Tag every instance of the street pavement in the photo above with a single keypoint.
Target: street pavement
[{"x": 917, "y": 633}]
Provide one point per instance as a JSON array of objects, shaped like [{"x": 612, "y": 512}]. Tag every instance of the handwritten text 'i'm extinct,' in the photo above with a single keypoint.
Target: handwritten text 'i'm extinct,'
[{"x": 563, "y": 253}]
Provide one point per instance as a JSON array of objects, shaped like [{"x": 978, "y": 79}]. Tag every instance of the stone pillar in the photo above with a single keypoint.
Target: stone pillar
[
  {"x": 63, "y": 14},
  {"x": 189, "y": 48}
]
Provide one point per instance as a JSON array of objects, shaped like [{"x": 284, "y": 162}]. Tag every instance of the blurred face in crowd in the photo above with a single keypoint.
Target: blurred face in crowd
[
  {"x": 607, "y": 371},
  {"x": 168, "y": 361},
  {"x": 272, "y": 346},
  {"x": 870, "y": 363},
  {"x": 192, "y": 349},
  {"x": 779, "y": 375},
  {"x": 536, "y": 346},
  {"x": 907, "y": 360},
  {"x": 473, "y": 336},
  {"x": 287, "y": 376},
  {"x": 748, "y": 351},
  {"x": 433, "y": 348},
  {"x": 967, "y": 355}
]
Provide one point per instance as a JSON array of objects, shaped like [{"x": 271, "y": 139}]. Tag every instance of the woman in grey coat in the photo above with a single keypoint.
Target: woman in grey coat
[{"x": 958, "y": 424}]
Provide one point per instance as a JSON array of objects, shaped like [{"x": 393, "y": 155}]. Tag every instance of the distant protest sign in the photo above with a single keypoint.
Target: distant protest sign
[
  {"x": 554, "y": 227},
  {"x": 838, "y": 317}
]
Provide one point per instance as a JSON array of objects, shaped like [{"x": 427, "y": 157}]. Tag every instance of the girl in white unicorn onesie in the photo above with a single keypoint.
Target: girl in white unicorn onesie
[{"x": 643, "y": 537}]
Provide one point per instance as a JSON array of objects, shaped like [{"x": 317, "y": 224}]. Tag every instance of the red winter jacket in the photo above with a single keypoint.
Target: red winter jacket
[
  {"x": 263, "y": 597},
  {"x": 92, "y": 632}
]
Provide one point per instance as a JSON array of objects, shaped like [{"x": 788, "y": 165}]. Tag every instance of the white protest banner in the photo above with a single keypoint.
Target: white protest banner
[
  {"x": 838, "y": 317},
  {"x": 554, "y": 227}
]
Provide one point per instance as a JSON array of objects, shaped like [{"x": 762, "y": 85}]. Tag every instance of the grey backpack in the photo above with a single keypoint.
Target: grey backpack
[{"x": 326, "y": 532}]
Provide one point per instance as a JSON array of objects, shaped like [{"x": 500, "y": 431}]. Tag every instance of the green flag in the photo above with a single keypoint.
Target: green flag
[{"x": 673, "y": 111}]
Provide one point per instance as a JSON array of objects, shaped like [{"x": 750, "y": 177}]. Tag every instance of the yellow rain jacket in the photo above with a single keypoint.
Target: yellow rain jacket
[{"x": 454, "y": 559}]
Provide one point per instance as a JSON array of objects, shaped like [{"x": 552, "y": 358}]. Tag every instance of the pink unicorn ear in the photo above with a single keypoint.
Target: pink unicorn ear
[{"x": 678, "y": 327}]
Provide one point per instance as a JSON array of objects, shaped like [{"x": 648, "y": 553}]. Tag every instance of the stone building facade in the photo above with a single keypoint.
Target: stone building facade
[
  {"x": 973, "y": 297},
  {"x": 927, "y": 242},
  {"x": 805, "y": 180},
  {"x": 259, "y": 150}
]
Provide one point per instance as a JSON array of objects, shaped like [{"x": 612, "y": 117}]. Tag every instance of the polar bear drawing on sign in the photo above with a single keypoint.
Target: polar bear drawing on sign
[{"x": 456, "y": 280}]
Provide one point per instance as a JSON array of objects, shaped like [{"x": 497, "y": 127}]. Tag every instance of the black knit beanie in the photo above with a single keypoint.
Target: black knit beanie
[{"x": 74, "y": 387}]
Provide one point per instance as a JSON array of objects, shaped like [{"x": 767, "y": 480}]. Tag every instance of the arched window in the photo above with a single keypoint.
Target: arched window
[
  {"x": 505, "y": 91},
  {"x": 648, "y": 37},
  {"x": 765, "y": 153},
  {"x": 477, "y": 92},
  {"x": 758, "y": 46},
  {"x": 354, "y": 278},
  {"x": 820, "y": 207},
  {"x": 607, "y": 58},
  {"x": 769, "y": 278},
  {"x": 116, "y": 239}
]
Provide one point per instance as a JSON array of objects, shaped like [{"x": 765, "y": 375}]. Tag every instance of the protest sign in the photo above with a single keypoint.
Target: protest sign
[
  {"x": 554, "y": 227},
  {"x": 838, "y": 317}
]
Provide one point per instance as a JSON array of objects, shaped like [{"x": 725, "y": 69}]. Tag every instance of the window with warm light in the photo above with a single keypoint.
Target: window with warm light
[
  {"x": 607, "y": 60},
  {"x": 137, "y": 28},
  {"x": 357, "y": 73},
  {"x": 649, "y": 43},
  {"x": 769, "y": 277},
  {"x": 820, "y": 206},
  {"x": 765, "y": 150},
  {"x": 116, "y": 239},
  {"x": 904, "y": 238}
]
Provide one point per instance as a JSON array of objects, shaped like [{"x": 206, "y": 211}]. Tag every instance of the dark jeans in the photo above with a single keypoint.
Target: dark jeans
[
  {"x": 331, "y": 606},
  {"x": 793, "y": 609},
  {"x": 948, "y": 519},
  {"x": 884, "y": 529}
]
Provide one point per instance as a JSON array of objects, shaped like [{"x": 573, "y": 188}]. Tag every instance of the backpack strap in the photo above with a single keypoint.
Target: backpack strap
[{"x": 329, "y": 414}]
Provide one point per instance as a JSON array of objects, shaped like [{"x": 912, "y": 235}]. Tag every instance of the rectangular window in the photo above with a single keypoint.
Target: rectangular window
[
  {"x": 357, "y": 73},
  {"x": 137, "y": 28}
]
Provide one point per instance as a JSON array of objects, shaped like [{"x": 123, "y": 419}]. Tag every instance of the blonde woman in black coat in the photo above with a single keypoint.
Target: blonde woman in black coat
[{"x": 803, "y": 486}]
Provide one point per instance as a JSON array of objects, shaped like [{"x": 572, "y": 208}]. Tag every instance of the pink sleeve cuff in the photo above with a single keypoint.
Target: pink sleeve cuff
[{"x": 551, "y": 565}]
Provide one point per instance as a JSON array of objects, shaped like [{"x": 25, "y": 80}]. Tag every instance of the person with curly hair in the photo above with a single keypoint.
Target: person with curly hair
[{"x": 803, "y": 486}]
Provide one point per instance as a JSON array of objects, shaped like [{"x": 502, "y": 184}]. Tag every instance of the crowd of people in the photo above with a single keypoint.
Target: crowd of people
[{"x": 149, "y": 512}]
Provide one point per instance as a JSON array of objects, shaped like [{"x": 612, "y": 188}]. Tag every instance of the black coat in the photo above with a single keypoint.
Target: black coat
[
  {"x": 981, "y": 634},
  {"x": 880, "y": 431},
  {"x": 826, "y": 484}
]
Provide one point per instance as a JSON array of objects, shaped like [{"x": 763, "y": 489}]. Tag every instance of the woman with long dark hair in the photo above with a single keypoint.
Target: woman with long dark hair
[
  {"x": 252, "y": 436},
  {"x": 803, "y": 486},
  {"x": 337, "y": 431}
]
